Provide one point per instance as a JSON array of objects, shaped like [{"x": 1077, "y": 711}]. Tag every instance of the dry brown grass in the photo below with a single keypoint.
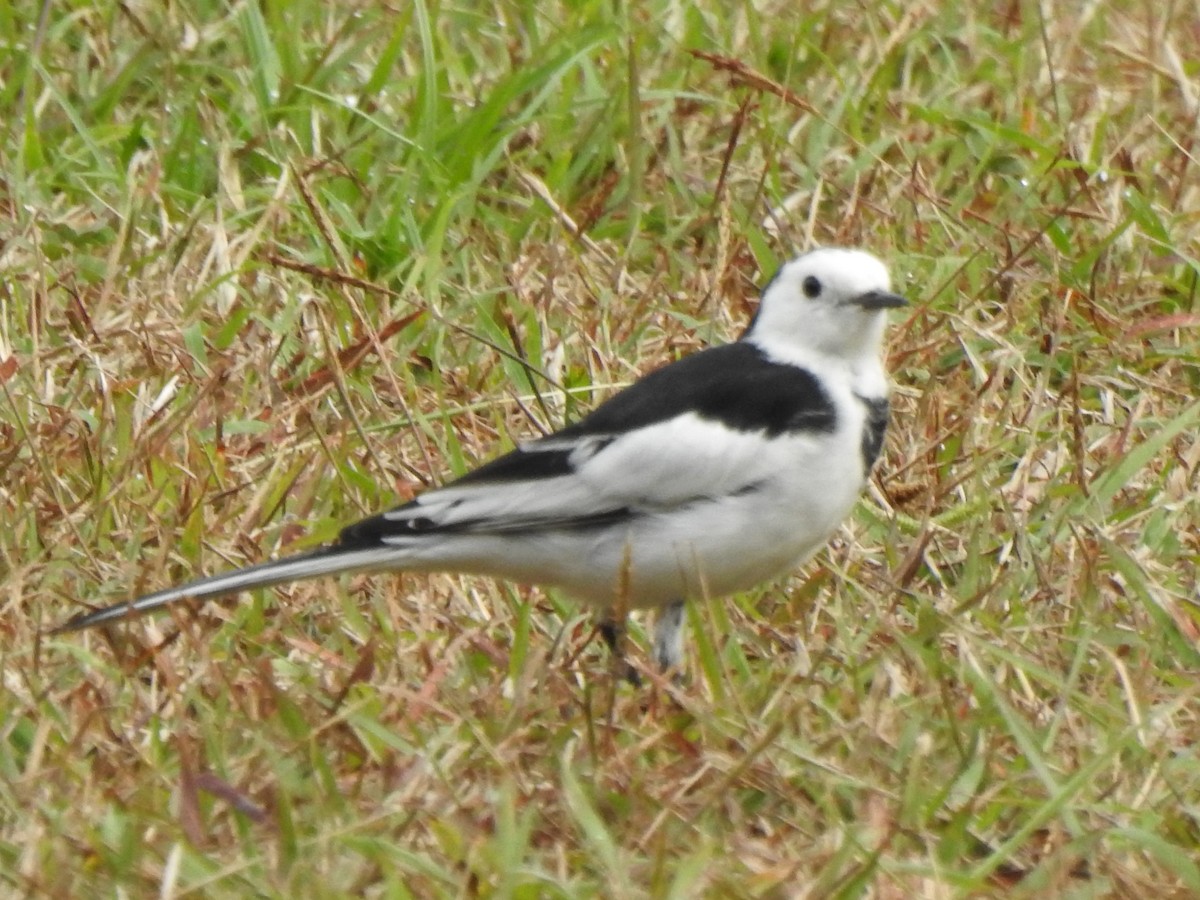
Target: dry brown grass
[{"x": 238, "y": 310}]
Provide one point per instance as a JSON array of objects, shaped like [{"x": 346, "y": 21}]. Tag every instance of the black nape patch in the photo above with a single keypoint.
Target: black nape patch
[{"x": 735, "y": 384}]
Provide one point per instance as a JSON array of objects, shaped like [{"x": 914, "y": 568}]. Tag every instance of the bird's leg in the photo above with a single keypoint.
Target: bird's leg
[
  {"x": 613, "y": 632},
  {"x": 668, "y": 637}
]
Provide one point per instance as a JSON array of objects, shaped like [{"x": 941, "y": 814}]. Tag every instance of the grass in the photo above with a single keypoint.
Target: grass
[{"x": 266, "y": 268}]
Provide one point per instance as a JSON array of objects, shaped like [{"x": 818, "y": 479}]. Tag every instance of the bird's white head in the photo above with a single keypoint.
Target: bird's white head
[{"x": 832, "y": 302}]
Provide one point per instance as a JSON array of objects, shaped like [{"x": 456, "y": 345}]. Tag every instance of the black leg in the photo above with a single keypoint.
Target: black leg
[{"x": 613, "y": 633}]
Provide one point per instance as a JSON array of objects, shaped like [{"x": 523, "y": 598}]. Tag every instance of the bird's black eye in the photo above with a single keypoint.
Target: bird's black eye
[{"x": 811, "y": 286}]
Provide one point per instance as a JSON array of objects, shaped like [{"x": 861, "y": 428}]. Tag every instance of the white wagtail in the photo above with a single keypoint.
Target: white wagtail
[{"x": 706, "y": 477}]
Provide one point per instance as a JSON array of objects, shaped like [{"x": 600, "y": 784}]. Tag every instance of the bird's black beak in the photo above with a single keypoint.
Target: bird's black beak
[{"x": 874, "y": 300}]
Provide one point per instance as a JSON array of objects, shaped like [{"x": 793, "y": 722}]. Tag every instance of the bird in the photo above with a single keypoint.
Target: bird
[{"x": 719, "y": 471}]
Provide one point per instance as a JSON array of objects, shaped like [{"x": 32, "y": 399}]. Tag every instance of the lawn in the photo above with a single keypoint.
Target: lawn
[{"x": 269, "y": 267}]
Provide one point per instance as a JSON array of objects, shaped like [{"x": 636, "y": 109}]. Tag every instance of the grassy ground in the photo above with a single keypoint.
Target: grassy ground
[{"x": 266, "y": 268}]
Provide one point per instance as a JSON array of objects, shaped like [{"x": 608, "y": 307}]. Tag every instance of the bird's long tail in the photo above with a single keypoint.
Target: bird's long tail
[{"x": 324, "y": 561}]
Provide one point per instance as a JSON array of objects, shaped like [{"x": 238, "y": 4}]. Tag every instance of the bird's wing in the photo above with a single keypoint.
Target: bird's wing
[
  {"x": 582, "y": 481},
  {"x": 695, "y": 429}
]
